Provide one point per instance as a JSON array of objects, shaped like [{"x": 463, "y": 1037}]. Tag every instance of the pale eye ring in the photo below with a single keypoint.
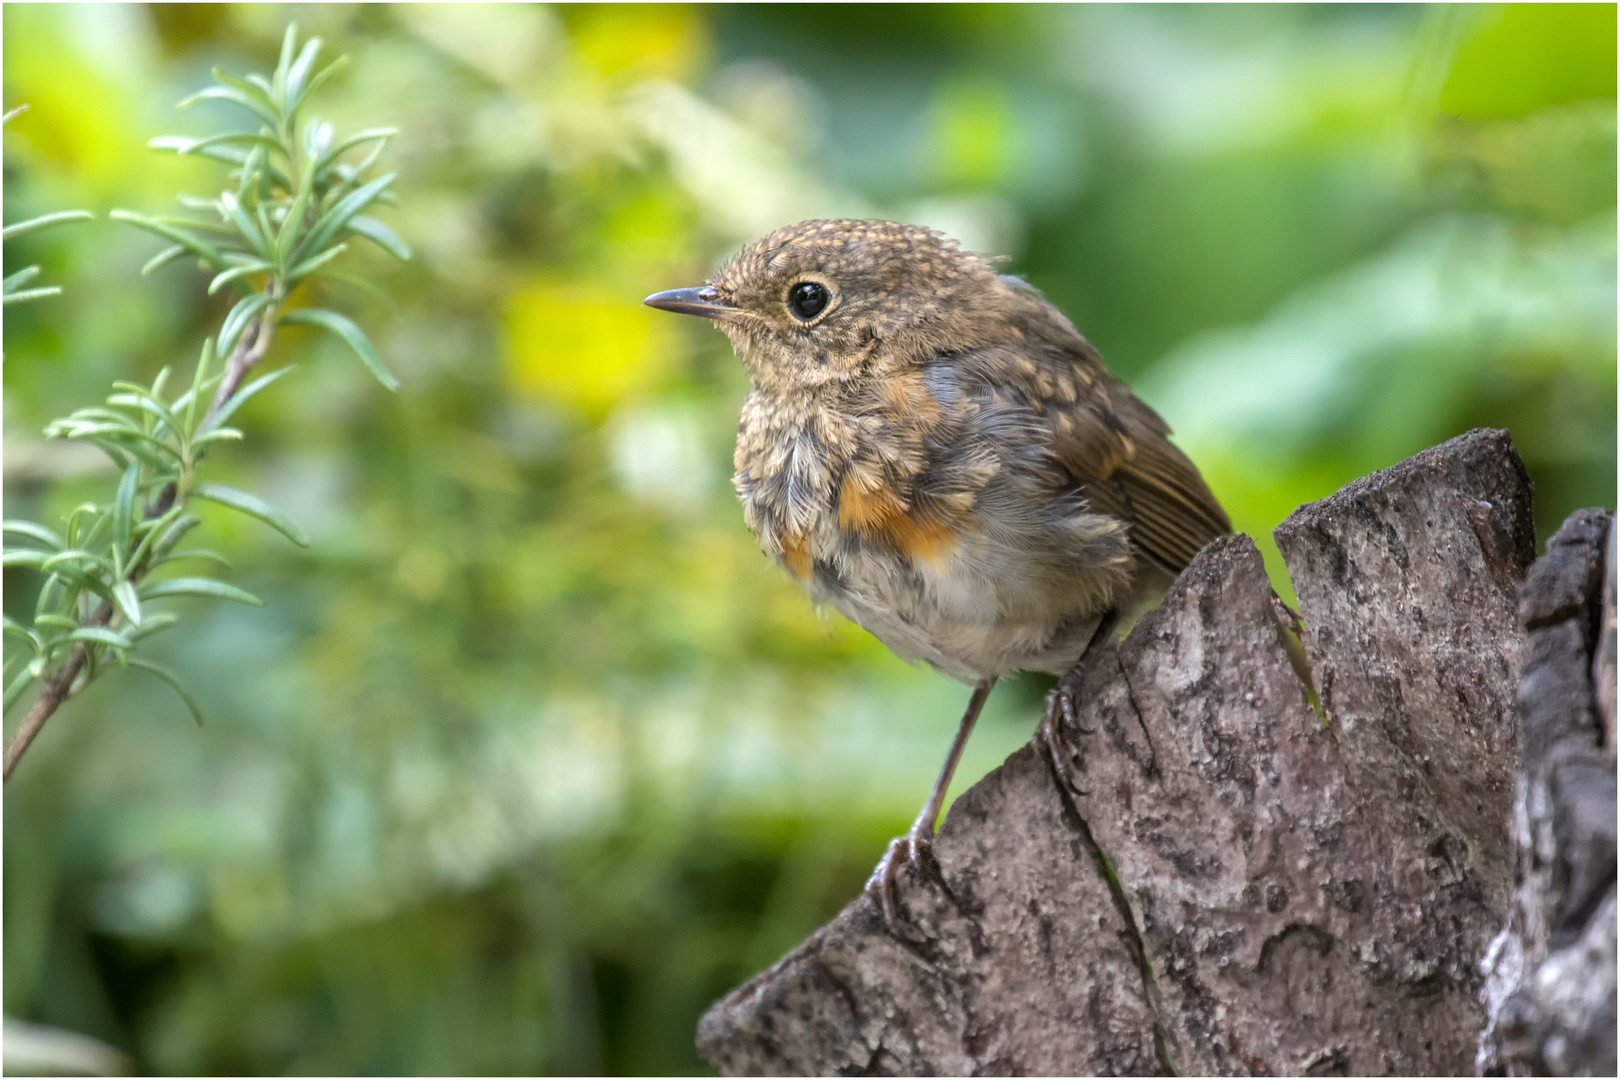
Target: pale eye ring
[{"x": 807, "y": 299}]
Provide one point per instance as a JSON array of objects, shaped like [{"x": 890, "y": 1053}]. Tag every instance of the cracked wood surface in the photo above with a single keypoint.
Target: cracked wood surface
[
  {"x": 1550, "y": 974},
  {"x": 1239, "y": 883}
]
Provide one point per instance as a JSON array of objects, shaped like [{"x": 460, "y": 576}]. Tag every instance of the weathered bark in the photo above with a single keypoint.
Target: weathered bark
[
  {"x": 1248, "y": 883},
  {"x": 1550, "y": 988}
]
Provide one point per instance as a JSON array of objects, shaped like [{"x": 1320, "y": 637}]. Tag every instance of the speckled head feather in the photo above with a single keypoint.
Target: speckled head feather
[{"x": 888, "y": 283}]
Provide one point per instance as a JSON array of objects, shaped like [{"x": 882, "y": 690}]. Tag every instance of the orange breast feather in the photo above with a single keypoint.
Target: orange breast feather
[
  {"x": 796, "y": 553},
  {"x": 874, "y": 513}
]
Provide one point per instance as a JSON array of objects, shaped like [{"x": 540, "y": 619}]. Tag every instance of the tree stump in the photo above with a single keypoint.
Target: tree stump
[
  {"x": 1550, "y": 987},
  {"x": 1250, "y": 878}
]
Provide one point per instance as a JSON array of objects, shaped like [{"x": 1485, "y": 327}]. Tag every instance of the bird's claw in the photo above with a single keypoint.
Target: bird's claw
[
  {"x": 903, "y": 851},
  {"x": 1060, "y": 703}
]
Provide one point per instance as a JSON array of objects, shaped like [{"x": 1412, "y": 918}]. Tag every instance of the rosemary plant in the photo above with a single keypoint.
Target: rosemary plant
[{"x": 295, "y": 201}]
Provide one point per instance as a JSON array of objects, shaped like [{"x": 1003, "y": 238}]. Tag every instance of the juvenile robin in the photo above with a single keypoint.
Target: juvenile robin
[{"x": 935, "y": 451}]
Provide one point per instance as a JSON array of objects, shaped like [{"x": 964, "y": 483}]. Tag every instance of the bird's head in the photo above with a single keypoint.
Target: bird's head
[{"x": 826, "y": 301}]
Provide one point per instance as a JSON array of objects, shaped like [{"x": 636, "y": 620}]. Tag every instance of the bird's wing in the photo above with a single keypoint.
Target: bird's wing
[
  {"x": 1172, "y": 512},
  {"x": 1115, "y": 449}
]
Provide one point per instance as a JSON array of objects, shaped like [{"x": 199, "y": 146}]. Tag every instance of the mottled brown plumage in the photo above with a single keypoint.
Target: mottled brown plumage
[{"x": 937, "y": 452}]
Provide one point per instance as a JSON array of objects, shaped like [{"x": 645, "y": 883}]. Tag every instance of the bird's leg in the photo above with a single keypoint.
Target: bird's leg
[
  {"x": 1060, "y": 710},
  {"x": 907, "y": 849}
]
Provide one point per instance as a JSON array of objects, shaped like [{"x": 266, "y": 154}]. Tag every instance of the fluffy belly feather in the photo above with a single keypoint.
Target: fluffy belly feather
[{"x": 968, "y": 616}]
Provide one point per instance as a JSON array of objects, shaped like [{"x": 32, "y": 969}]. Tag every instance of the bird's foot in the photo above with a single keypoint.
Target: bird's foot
[
  {"x": 1049, "y": 736},
  {"x": 903, "y": 851}
]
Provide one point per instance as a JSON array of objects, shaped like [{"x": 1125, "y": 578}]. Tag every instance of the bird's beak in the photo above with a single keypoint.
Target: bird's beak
[{"x": 704, "y": 301}]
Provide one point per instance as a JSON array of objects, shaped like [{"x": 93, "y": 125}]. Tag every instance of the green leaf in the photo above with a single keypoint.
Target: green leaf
[
  {"x": 363, "y": 284},
  {"x": 45, "y": 221},
  {"x": 97, "y": 414},
  {"x": 23, "y": 295},
  {"x": 261, "y": 213},
  {"x": 174, "y": 681},
  {"x": 242, "y": 396},
  {"x": 322, "y": 75},
  {"x": 310, "y": 265},
  {"x": 199, "y": 586},
  {"x": 138, "y": 397},
  {"x": 89, "y": 429},
  {"x": 279, "y": 79},
  {"x": 24, "y": 557},
  {"x": 59, "y": 622},
  {"x": 195, "y": 553},
  {"x": 12, "y": 115},
  {"x": 218, "y": 434},
  {"x": 349, "y": 332},
  {"x": 34, "y": 532},
  {"x": 162, "y": 258},
  {"x": 66, "y": 561},
  {"x": 236, "y": 96},
  {"x": 292, "y": 223},
  {"x": 325, "y": 161},
  {"x": 253, "y": 506},
  {"x": 153, "y": 531},
  {"x": 128, "y": 601},
  {"x": 381, "y": 235},
  {"x": 98, "y": 521},
  {"x": 348, "y": 206},
  {"x": 232, "y": 209},
  {"x": 124, "y": 507},
  {"x": 263, "y": 86},
  {"x": 298, "y": 74},
  {"x": 253, "y": 86},
  {"x": 257, "y": 266},
  {"x": 17, "y": 629},
  {"x": 239, "y": 318},
  {"x": 150, "y": 449},
  {"x": 182, "y": 145},
  {"x": 172, "y": 534},
  {"x": 17, "y": 686},
  {"x": 161, "y": 620},
  {"x": 201, "y": 223},
  {"x": 200, "y": 248},
  {"x": 251, "y": 174},
  {"x": 20, "y": 278},
  {"x": 317, "y": 141},
  {"x": 122, "y": 444},
  {"x": 187, "y": 402},
  {"x": 100, "y": 635}
]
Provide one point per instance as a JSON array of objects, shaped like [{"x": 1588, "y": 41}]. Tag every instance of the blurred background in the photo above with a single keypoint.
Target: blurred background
[{"x": 532, "y": 755}]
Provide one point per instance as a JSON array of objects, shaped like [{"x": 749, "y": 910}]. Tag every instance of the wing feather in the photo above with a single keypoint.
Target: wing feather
[{"x": 1115, "y": 447}]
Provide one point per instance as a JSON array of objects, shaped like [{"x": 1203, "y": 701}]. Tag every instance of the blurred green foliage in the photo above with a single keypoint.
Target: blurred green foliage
[{"x": 531, "y": 754}]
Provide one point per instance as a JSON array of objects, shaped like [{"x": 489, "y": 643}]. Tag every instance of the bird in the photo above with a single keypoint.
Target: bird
[{"x": 931, "y": 448}]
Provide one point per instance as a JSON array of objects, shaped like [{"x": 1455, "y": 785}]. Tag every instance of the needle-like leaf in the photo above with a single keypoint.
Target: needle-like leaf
[
  {"x": 355, "y": 337},
  {"x": 253, "y": 506},
  {"x": 242, "y": 396},
  {"x": 173, "y": 680},
  {"x": 381, "y": 235},
  {"x": 34, "y": 532},
  {"x": 199, "y": 586},
  {"x": 45, "y": 221}
]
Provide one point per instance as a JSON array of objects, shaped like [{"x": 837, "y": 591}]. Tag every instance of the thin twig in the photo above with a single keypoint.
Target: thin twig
[
  {"x": 57, "y": 690},
  {"x": 250, "y": 349}
]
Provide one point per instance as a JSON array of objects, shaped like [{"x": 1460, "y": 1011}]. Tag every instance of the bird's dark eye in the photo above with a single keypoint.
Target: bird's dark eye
[{"x": 808, "y": 299}]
